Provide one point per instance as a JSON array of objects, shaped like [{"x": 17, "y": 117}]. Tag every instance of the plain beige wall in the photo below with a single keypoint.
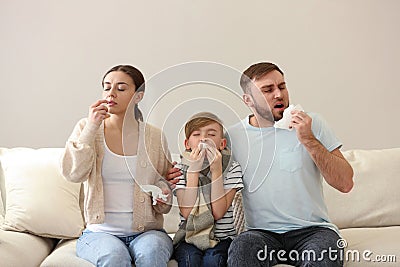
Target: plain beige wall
[{"x": 341, "y": 59}]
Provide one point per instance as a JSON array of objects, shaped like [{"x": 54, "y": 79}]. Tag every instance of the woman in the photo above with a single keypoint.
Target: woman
[{"x": 114, "y": 152}]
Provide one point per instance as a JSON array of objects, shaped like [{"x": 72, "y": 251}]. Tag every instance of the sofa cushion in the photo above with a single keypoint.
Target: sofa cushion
[
  {"x": 22, "y": 249},
  {"x": 2, "y": 195},
  {"x": 374, "y": 199},
  {"x": 372, "y": 246},
  {"x": 65, "y": 255},
  {"x": 38, "y": 199},
  {"x": 1, "y": 210}
]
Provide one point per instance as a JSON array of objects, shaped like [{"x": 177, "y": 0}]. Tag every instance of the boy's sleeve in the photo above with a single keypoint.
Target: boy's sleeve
[
  {"x": 234, "y": 177},
  {"x": 181, "y": 184}
]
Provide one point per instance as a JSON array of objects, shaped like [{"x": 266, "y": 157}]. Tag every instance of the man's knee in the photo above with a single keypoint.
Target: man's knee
[
  {"x": 322, "y": 249},
  {"x": 243, "y": 244},
  {"x": 250, "y": 248}
]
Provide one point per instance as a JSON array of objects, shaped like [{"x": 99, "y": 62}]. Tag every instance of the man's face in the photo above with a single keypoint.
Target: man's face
[{"x": 270, "y": 96}]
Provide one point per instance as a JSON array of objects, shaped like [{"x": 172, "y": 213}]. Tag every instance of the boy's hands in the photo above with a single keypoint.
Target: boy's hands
[
  {"x": 196, "y": 159},
  {"x": 215, "y": 159}
]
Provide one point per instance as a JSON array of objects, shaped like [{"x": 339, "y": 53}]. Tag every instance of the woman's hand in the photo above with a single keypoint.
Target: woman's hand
[
  {"x": 172, "y": 174},
  {"x": 98, "y": 112},
  {"x": 166, "y": 193}
]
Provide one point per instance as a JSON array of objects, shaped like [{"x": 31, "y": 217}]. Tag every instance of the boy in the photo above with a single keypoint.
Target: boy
[{"x": 205, "y": 192}]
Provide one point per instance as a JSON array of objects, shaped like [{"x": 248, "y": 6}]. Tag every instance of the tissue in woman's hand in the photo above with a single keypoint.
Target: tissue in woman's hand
[
  {"x": 287, "y": 117},
  {"x": 155, "y": 192}
]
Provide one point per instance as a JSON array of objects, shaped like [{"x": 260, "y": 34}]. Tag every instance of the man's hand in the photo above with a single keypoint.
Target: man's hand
[{"x": 302, "y": 123}]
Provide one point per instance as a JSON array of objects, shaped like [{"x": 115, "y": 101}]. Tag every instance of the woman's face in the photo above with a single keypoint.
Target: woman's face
[{"x": 118, "y": 90}]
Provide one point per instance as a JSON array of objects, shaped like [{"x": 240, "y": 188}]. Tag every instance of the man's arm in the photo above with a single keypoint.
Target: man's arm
[{"x": 333, "y": 166}]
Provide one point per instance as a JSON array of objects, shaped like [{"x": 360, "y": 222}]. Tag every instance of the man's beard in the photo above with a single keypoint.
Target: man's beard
[
  {"x": 280, "y": 116},
  {"x": 264, "y": 113}
]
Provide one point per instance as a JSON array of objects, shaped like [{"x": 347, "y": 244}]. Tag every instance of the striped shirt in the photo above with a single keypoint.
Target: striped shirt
[{"x": 224, "y": 227}]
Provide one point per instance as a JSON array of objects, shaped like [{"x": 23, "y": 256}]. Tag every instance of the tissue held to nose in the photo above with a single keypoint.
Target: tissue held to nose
[{"x": 287, "y": 117}]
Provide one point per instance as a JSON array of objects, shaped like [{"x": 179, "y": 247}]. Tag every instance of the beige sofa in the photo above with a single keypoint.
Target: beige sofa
[{"x": 40, "y": 214}]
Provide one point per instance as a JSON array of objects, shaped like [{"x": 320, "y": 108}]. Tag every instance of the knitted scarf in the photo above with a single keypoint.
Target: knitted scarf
[{"x": 198, "y": 228}]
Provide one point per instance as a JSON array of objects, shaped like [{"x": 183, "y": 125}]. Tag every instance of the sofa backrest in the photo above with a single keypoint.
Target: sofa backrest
[
  {"x": 374, "y": 200},
  {"x": 2, "y": 192},
  {"x": 171, "y": 221},
  {"x": 38, "y": 199}
]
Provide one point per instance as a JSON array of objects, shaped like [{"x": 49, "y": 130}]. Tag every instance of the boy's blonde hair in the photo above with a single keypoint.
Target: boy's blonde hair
[{"x": 200, "y": 120}]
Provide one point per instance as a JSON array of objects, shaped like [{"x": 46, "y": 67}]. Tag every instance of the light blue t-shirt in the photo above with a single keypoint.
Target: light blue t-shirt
[{"x": 282, "y": 185}]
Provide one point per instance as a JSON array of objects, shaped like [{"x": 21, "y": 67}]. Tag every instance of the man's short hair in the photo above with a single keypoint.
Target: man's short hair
[
  {"x": 255, "y": 72},
  {"x": 200, "y": 120}
]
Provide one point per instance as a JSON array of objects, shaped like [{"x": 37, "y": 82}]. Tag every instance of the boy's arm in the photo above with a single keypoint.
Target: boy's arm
[
  {"x": 187, "y": 196},
  {"x": 221, "y": 199}
]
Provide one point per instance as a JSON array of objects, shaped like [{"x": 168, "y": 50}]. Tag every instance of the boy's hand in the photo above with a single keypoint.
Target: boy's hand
[
  {"x": 214, "y": 156},
  {"x": 195, "y": 160}
]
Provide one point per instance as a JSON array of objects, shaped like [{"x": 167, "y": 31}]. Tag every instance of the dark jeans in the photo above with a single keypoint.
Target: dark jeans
[
  {"x": 311, "y": 246},
  {"x": 188, "y": 255}
]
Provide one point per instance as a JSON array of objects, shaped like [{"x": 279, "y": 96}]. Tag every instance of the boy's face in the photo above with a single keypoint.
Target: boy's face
[{"x": 211, "y": 131}]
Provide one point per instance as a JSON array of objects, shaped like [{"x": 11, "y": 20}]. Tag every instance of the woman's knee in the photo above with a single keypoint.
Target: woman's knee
[
  {"x": 151, "y": 246},
  {"x": 103, "y": 250}
]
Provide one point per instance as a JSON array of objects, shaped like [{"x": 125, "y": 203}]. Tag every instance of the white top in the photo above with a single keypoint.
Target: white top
[{"x": 118, "y": 174}]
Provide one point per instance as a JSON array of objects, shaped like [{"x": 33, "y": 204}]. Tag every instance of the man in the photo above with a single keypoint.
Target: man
[{"x": 285, "y": 213}]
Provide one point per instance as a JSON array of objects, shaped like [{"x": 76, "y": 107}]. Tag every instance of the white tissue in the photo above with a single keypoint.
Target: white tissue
[
  {"x": 155, "y": 192},
  {"x": 202, "y": 145},
  {"x": 206, "y": 144},
  {"x": 287, "y": 117}
]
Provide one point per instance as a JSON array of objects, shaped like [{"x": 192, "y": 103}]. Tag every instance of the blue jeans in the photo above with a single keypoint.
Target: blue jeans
[
  {"x": 151, "y": 248},
  {"x": 298, "y": 247},
  {"x": 188, "y": 255}
]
